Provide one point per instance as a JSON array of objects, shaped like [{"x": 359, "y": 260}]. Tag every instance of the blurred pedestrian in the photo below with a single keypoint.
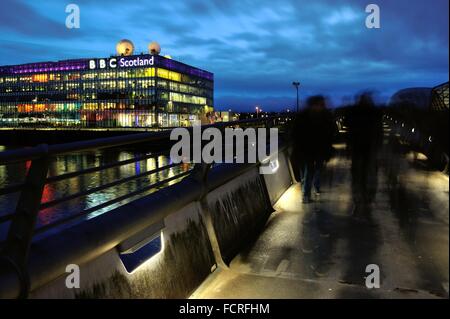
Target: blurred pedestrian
[
  {"x": 364, "y": 122},
  {"x": 313, "y": 134}
]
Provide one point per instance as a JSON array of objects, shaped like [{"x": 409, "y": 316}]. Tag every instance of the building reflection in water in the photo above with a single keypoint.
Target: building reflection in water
[{"x": 15, "y": 173}]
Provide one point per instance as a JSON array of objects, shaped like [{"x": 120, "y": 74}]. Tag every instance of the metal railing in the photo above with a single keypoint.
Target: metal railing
[
  {"x": 16, "y": 248},
  {"x": 413, "y": 136}
]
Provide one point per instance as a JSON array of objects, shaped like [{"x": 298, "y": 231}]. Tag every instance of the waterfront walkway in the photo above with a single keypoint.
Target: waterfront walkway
[{"x": 320, "y": 250}]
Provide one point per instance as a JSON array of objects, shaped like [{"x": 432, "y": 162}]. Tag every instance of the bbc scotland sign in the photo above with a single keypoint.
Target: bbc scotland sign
[{"x": 123, "y": 62}]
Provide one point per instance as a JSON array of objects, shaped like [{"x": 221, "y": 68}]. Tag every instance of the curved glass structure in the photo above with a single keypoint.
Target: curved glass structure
[
  {"x": 439, "y": 97},
  {"x": 412, "y": 97}
]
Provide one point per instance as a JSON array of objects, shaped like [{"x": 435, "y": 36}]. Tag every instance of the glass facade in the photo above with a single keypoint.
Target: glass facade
[
  {"x": 128, "y": 92},
  {"x": 439, "y": 97}
]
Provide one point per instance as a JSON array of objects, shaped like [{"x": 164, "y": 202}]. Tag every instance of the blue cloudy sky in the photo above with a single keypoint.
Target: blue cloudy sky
[{"x": 254, "y": 48}]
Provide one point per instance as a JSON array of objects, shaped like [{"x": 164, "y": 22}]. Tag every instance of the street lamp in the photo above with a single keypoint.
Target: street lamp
[
  {"x": 296, "y": 84},
  {"x": 257, "y": 110}
]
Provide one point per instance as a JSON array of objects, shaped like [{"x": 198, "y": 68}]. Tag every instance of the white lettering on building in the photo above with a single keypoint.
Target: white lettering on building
[{"x": 123, "y": 63}]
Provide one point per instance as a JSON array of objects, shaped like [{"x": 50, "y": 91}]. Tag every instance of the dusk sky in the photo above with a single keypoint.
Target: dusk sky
[{"x": 254, "y": 48}]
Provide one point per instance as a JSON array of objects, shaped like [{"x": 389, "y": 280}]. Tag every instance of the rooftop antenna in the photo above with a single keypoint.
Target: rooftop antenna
[
  {"x": 124, "y": 47},
  {"x": 154, "y": 48}
]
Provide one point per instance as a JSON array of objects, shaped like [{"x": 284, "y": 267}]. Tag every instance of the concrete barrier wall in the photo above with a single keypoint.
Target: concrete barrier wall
[
  {"x": 239, "y": 210},
  {"x": 280, "y": 181},
  {"x": 183, "y": 263}
]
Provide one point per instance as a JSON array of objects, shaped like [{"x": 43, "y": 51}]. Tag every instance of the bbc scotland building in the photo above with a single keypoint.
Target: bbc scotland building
[{"x": 122, "y": 91}]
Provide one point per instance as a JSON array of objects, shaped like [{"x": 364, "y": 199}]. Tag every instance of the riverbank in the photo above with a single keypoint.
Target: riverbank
[{"x": 35, "y": 136}]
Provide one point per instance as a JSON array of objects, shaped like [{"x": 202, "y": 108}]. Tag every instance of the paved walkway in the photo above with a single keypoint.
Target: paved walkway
[{"x": 320, "y": 250}]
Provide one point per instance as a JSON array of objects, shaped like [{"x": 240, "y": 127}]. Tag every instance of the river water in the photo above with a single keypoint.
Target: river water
[{"x": 14, "y": 173}]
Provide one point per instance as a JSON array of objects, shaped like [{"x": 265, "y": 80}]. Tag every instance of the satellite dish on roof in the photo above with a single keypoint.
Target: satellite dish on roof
[
  {"x": 154, "y": 48},
  {"x": 124, "y": 47}
]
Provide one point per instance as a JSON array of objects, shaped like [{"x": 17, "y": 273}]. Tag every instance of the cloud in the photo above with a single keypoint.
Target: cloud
[
  {"x": 343, "y": 15},
  {"x": 255, "y": 48},
  {"x": 21, "y": 19}
]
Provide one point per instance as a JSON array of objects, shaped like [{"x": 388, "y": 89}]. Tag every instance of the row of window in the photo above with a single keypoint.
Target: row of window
[
  {"x": 110, "y": 119},
  {"x": 170, "y": 106},
  {"x": 109, "y": 85},
  {"x": 130, "y": 97},
  {"x": 184, "y": 98},
  {"x": 86, "y": 97},
  {"x": 100, "y": 75}
]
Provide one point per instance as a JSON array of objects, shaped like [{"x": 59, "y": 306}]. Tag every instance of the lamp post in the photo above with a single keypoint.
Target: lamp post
[
  {"x": 257, "y": 111},
  {"x": 296, "y": 84}
]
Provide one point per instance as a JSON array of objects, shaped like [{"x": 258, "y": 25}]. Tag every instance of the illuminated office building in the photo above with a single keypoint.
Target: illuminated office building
[{"x": 129, "y": 91}]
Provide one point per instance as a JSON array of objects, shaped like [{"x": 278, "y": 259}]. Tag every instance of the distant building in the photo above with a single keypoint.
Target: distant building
[
  {"x": 225, "y": 116},
  {"x": 424, "y": 111},
  {"x": 436, "y": 98},
  {"x": 146, "y": 90},
  {"x": 412, "y": 97},
  {"x": 439, "y": 97}
]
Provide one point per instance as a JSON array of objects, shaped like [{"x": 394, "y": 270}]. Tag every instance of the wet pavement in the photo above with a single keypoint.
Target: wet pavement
[{"x": 322, "y": 249}]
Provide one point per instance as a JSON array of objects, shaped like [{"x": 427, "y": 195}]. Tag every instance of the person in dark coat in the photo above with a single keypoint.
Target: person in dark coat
[
  {"x": 313, "y": 134},
  {"x": 364, "y": 123}
]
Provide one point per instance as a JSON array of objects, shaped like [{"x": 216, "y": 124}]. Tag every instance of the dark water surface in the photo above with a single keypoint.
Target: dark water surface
[{"x": 15, "y": 173}]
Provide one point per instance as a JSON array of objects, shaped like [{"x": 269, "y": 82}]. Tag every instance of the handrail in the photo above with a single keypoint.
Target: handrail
[
  {"x": 120, "y": 226},
  {"x": 33, "y": 153},
  {"x": 61, "y": 221},
  {"x": 101, "y": 143},
  {"x": 104, "y": 186},
  {"x": 106, "y": 231},
  {"x": 53, "y": 179},
  {"x": 112, "y": 201},
  {"x": 414, "y": 136},
  {"x": 13, "y": 188}
]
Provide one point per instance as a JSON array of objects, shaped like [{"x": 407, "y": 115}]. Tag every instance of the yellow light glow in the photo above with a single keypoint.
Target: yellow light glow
[{"x": 151, "y": 260}]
